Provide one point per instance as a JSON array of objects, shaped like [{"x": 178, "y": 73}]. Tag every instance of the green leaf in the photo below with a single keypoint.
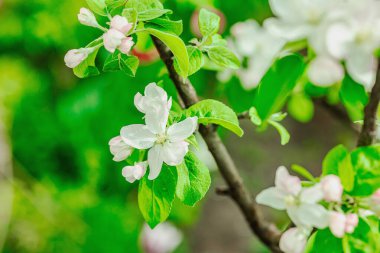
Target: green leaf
[
  {"x": 277, "y": 84},
  {"x": 87, "y": 68},
  {"x": 322, "y": 240},
  {"x": 208, "y": 22},
  {"x": 278, "y": 116},
  {"x": 301, "y": 107},
  {"x": 192, "y": 140},
  {"x": 223, "y": 56},
  {"x": 176, "y": 45},
  {"x": 131, "y": 15},
  {"x": 155, "y": 197},
  {"x": 333, "y": 159},
  {"x": 144, "y": 5},
  {"x": 97, "y": 6},
  {"x": 193, "y": 180},
  {"x": 175, "y": 27},
  {"x": 115, "y": 7},
  {"x": 118, "y": 61},
  {"x": 196, "y": 60},
  {"x": 346, "y": 173},
  {"x": 354, "y": 98},
  {"x": 214, "y": 112},
  {"x": 303, "y": 172},
  {"x": 366, "y": 164},
  {"x": 285, "y": 136},
  {"x": 254, "y": 116},
  {"x": 152, "y": 14}
]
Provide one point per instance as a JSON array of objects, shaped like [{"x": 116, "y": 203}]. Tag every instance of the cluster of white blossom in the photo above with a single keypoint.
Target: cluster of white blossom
[
  {"x": 317, "y": 206},
  {"x": 116, "y": 37},
  {"x": 338, "y": 32},
  {"x": 164, "y": 142}
]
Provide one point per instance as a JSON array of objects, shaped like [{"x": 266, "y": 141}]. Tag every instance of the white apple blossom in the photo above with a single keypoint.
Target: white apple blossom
[
  {"x": 294, "y": 240},
  {"x": 116, "y": 37},
  {"x": 300, "y": 203},
  {"x": 332, "y": 188},
  {"x": 112, "y": 39},
  {"x": 340, "y": 224},
  {"x": 74, "y": 57},
  {"x": 86, "y": 17},
  {"x": 325, "y": 71},
  {"x": 119, "y": 149},
  {"x": 258, "y": 46},
  {"x": 164, "y": 238},
  {"x": 121, "y": 24},
  {"x": 136, "y": 172}
]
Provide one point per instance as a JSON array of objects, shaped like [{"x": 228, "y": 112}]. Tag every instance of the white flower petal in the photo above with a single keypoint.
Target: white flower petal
[
  {"x": 272, "y": 197},
  {"x": 287, "y": 183},
  {"x": 337, "y": 224},
  {"x": 311, "y": 215},
  {"x": 362, "y": 67},
  {"x": 287, "y": 10},
  {"x": 288, "y": 31},
  {"x": 293, "y": 240},
  {"x": 156, "y": 92},
  {"x": 312, "y": 194},
  {"x": 138, "y": 136},
  {"x": 174, "y": 153},
  {"x": 155, "y": 161},
  {"x": 182, "y": 130},
  {"x": 156, "y": 121},
  {"x": 325, "y": 71}
]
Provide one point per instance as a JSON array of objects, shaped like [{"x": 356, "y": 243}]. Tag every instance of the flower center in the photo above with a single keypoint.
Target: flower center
[
  {"x": 161, "y": 138},
  {"x": 290, "y": 200}
]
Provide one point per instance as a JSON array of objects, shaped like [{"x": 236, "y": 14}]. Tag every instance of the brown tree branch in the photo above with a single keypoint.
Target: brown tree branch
[
  {"x": 368, "y": 133},
  {"x": 266, "y": 232}
]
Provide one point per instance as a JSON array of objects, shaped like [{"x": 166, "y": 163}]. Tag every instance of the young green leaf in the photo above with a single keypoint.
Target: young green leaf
[
  {"x": 118, "y": 61},
  {"x": 164, "y": 24},
  {"x": 97, "y": 6},
  {"x": 152, "y": 14},
  {"x": 322, "y": 240},
  {"x": 346, "y": 173},
  {"x": 208, "y": 22},
  {"x": 87, "y": 68},
  {"x": 196, "y": 61},
  {"x": 176, "y": 45},
  {"x": 277, "y": 84},
  {"x": 131, "y": 15},
  {"x": 214, "y": 112},
  {"x": 333, "y": 159},
  {"x": 303, "y": 172},
  {"x": 144, "y": 5},
  {"x": 254, "y": 116},
  {"x": 193, "y": 180},
  {"x": 284, "y": 134},
  {"x": 115, "y": 6},
  {"x": 155, "y": 197},
  {"x": 222, "y": 56}
]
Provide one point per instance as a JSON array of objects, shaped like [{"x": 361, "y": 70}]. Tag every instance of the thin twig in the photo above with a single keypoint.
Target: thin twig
[
  {"x": 368, "y": 133},
  {"x": 266, "y": 232}
]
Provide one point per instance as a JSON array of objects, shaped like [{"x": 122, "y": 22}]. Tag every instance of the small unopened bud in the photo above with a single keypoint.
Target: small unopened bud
[
  {"x": 112, "y": 39},
  {"x": 337, "y": 224},
  {"x": 352, "y": 220},
  {"x": 332, "y": 188},
  {"x": 294, "y": 240},
  {"x": 136, "y": 172},
  {"x": 121, "y": 24},
  {"x": 75, "y": 57},
  {"x": 86, "y": 17},
  {"x": 126, "y": 45}
]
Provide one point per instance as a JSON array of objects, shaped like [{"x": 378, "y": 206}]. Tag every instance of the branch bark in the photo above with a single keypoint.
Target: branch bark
[
  {"x": 266, "y": 232},
  {"x": 368, "y": 133}
]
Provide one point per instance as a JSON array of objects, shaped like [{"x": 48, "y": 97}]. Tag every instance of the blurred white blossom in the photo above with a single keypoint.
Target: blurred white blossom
[
  {"x": 294, "y": 240},
  {"x": 164, "y": 238}
]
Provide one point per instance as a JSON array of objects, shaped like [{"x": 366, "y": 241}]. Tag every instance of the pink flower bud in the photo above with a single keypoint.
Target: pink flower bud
[
  {"x": 136, "y": 172},
  {"x": 75, "y": 57},
  {"x": 287, "y": 183},
  {"x": 332, "y": 188},
  {"x": 112, "y": 39},
  {"x": 337, "y": 224},
  {"x": 352, "y": 222},
  {"x": 121, "y": 24},
  {"x": 126, "y": 45},
  {"x": 86, "y": 17},
  {"x": 293, "y": 240}
]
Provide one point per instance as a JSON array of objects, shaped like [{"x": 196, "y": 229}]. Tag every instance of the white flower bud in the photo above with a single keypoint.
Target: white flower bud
[
  {"x": 332, "y": 188},
  {"x": 121, "y": 24},
  {"x": 86, "y": 17},
  {"x": 164, "y": 238},
  {"x": 352, "y": 220},
  {"x": 112, "y": 39},
  {"x": 119, "y": 149},
  {"x": 136, "y": 172},
  {"x": 294, "y": 240},
  {"x": 75, "y": 57},
  {"x": 126, "y": 45},
  {"x": 337, "y": 224}
]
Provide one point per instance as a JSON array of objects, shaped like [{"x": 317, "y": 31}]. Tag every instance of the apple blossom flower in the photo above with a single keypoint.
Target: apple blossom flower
[
  {"x": 136, "y": 172},
  {"x": 74, "y": 57},
  {"x": 112, "y": 39},
  {"x": 340, "y": 224},
  {"x": 294, "y": 240},
  {"x": 332, "y": 188},
  {"x": 86, "y": 17},
  {"x": 301, "y": 204},
  {"x": 119, "y": 149},
  {"x": 121, "y": 24},
  {"x": 258, "y": 46},
  {"x": 325, "y": 71},
  {"x": 164, "y": 238},
  {"x": 126, "y": 45}
]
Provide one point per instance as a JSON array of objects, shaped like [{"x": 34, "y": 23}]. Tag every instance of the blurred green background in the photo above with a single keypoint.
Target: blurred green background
[{"x": 68, "y": 194}]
